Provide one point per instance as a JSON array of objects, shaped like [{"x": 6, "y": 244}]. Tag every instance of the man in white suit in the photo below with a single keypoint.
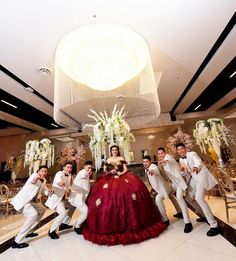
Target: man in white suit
[
  {"x": 61, "y": 189},
  {"x": 79, "y": 192},
  {"x": 28, "y": 199},
  {"x": 172, "y": 170},
  {"x": 202, "y": 181},
  {"x": 161, "y": 186}
]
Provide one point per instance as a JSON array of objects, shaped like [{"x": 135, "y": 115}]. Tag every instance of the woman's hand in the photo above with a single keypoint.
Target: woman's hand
[{"x": 113, "y": 171}]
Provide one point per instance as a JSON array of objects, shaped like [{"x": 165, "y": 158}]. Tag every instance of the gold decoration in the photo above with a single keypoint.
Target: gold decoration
[
  {"x": 98, "y": 202},
  {"x": 105, "y": 186},
  {"x": 133, "y": 195}
]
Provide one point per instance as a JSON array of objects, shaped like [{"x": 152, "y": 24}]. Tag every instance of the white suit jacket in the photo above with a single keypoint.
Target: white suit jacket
[
  {"x": 172, "y": 170},
  {"x": 29, "y": 192},
  {"x": 204, "y": 177},
  {"x": 157, "y": 182},
  {"x": 80, "y": 189},
  {"x": 59, "y": 191}
]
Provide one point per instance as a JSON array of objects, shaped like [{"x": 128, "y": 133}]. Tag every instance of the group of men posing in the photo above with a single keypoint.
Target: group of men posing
[{"x": 189, "y": 180}]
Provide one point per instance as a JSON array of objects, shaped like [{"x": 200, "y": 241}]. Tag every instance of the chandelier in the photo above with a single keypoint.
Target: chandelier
[{"x": 98, "y": 66}]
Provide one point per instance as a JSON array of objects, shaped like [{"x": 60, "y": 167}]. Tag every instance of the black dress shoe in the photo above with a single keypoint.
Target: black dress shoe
[
  {"x": 167, "y": 222},
  {"x": 202, "y": 219},
  {"x": 78, "y": 230},
  {"x": 214, "y": 231},
  {"x": 188, "y": 228},
  {"x": 64, "y": 226},
  {"x": 19, "y": 245},
  {"x": 32, "y": 234},
  {"x": 53, "y": 234},
  {"x": 178, "y": 215}
]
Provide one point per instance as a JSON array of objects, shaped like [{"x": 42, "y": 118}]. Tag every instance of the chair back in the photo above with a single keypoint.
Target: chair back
[
  {"x": 225, "y": 183},
  {"x": 4, "y": 191}
]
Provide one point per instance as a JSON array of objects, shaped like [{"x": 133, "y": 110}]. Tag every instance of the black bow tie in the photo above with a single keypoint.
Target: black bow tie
[{"x": 184, "y": 157}]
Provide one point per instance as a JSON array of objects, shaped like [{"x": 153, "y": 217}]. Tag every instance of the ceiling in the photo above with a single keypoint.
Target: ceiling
[{"x": 192, "y": 45}]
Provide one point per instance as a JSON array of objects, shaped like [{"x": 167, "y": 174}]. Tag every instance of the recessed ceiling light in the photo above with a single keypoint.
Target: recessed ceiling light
[
  {"x": 54, "y": 125},
  {"x": 8, "y": 103},
  {"x": 44, "y": 70},
  {"x": 29, "y": 89},
  {"x": 198, "y": 107},
  {"x": 64, "y": 139},
  {"x": 151, "y": 137},
  {"x": 232, "y": 74},
  {"x": 120, "y": 97}
]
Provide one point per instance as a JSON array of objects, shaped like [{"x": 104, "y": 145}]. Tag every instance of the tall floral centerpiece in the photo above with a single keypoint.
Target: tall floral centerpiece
[
  {"x": 69, "y": 153},
  {"x": 108, "y": 130},
  {"x": 38, "y": 153},
  {"x": 211, "y": 134},
  {"x": 180, "y": 137}
]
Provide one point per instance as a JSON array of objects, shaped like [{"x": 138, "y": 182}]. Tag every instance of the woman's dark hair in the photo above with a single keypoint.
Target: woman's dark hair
[
  {"x": 115, "y": 146},
  {"x": 67, "y": 163},
  {"x": 42, "y": 167},
  {"x": 147, "y": 157}
]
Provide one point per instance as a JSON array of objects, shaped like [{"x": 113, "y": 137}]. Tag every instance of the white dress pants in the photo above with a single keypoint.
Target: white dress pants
[
  {"x": 160, "y": 204},
  {"x": 64, "y": 216},
  {"x": 83, "y": 210},
  {"x": 182, "y": 202},
  {"x": 199, "y": 193},
  {"x": 33, "y": 212}
]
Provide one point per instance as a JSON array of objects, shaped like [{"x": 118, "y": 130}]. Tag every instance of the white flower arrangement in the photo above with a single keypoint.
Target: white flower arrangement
[
  {"x": 109, "y": 130},
  {"x": 211, "y": 134},
  {"x": 38, "y": 153}
]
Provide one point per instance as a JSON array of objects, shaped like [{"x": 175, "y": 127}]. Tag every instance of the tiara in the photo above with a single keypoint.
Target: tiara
[{"x": 113, "y": 144}]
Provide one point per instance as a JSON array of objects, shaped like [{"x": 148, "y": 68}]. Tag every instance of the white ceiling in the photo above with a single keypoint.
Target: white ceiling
[{"x": 180, "y": 33}]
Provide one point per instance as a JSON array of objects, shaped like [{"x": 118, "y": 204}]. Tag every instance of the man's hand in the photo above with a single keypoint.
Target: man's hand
[
  {"x": 113, "y": 171},
  {"x": 151, "y": 172},
  {"x": 196, "y": 170}
]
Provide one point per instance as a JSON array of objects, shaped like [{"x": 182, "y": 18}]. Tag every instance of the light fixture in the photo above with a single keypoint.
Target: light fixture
[
  {"x": 102, "y": 57},
  {"x": 64, "y": 139},
  {"x": 54, "y": 125},
  {"x": 99, "y": 65},
  {"x": 151, "y": 137},
  {"x": 29, "y": 89},
  {"x": 232, "y": 74},
  {"x": 198, "y": 107},
  {"x": 44, "y": 70},
  {"x": 8, "y": 103}
]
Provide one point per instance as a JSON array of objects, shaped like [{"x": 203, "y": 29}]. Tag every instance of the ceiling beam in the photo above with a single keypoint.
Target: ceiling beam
[
  {"x": 13, "y": 131},
  {"x": 20, "y": 122},
  {"x": 206, "y": 114},
  {"x": 224, "y": 100}
]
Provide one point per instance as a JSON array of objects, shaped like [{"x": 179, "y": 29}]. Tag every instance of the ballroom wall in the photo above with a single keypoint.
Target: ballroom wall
[{"x": 14, "y": 145}]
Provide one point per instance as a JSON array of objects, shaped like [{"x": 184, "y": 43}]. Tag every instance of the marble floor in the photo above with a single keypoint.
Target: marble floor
[
  {"x": 171, "y": 245},
  {"x": 10, "y": 226}
]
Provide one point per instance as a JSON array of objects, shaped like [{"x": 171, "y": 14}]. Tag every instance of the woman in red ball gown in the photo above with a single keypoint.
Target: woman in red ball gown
[{"x": 120, "y": 208}]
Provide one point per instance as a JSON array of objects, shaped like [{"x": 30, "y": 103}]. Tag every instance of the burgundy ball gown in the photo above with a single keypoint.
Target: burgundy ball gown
[{"x": 121, "y": 211}]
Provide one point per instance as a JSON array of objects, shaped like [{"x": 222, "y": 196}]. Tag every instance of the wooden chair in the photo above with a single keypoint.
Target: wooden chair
[
  {"x": 227, "y": 190},
  {"x": 4, "y": 199}
]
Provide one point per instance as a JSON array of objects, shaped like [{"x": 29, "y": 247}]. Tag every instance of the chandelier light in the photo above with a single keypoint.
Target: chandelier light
[{"x": 98, "y": 66}]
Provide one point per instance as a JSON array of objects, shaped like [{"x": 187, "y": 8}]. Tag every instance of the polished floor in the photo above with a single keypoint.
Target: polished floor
[{"x": 172, "y": 244}]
